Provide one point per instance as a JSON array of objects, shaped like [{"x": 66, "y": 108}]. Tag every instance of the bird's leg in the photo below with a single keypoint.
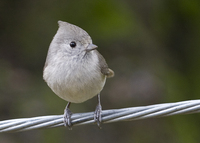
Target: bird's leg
[
  {"x": 67, "y": 116},
  {"x": 97, "y": 113}
]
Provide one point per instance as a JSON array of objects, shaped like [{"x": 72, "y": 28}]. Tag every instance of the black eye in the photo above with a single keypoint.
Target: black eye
[{"x": 73, "y": 44}]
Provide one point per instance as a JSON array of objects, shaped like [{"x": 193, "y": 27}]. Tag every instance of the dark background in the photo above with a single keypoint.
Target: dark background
[{"x": 153, "y": 47}]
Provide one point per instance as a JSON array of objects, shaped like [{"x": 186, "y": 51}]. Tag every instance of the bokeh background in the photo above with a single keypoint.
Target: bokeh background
[{"x": 153, "y": 47}]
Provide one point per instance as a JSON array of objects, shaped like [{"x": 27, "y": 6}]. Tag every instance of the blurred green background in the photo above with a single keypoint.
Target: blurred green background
[{"x": 153, "y": 47}]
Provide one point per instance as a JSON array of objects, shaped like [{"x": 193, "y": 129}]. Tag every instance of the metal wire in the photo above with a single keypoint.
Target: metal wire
[{"x": 108, "y": 116}]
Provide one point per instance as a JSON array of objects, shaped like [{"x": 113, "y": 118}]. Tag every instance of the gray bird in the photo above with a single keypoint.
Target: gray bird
[{"x": 74, "y": 69}]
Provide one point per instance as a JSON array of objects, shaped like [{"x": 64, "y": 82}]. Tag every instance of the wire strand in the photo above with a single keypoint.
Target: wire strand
[{"x": 108, "y": 116}]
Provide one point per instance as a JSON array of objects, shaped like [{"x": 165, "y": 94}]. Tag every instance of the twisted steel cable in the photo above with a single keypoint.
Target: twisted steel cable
[{"x": 108, "y": 116}]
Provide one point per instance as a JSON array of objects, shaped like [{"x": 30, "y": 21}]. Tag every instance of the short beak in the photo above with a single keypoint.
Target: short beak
[{"x": 91, "y": 47}]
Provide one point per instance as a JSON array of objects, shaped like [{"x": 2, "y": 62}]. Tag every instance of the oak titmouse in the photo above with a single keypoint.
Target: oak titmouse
[{"x": 74, "y": 69}]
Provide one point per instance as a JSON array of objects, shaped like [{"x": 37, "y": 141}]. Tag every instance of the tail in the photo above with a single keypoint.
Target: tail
[{"x": 110, "y": 73}]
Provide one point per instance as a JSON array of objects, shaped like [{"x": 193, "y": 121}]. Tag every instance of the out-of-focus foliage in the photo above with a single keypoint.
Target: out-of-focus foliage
[{"x": 153, "y": 47}]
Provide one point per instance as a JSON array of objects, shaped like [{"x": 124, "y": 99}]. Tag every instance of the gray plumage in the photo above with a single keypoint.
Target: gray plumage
[
  {"x": 74, "y": 74},
  {"x": 74, "y": 69}
]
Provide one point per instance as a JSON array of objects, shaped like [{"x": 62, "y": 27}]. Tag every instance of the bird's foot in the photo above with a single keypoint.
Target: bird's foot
[
  {"x": 97, "y": 114},
  {"x": 67, "y": 118}
]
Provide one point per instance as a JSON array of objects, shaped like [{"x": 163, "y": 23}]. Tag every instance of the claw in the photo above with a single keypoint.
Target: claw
[
  {"x": 67, "y": 117},
  {"x": 97, "y": 113}
]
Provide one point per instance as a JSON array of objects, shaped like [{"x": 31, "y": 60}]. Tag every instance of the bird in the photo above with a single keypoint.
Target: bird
[{"x": 74, "y": 69}]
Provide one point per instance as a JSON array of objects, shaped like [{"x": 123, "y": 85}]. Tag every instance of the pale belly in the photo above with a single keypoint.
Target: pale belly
[
  {"x": 80, "y": 90},
  {"x": 75, "y": 81},
  {"x": 75, "y": 85}
]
